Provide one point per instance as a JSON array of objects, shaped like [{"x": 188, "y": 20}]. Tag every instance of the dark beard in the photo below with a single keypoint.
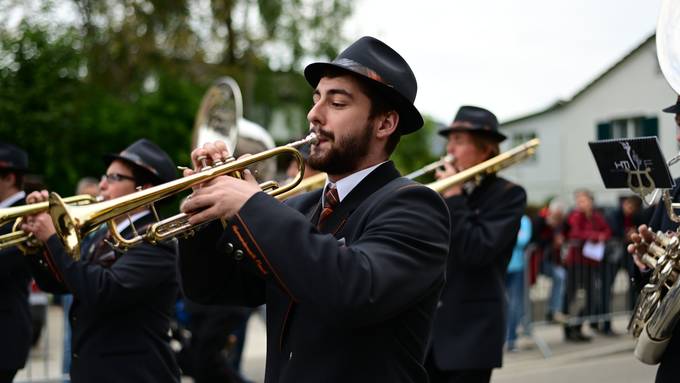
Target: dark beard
[{"x": 343, "y": 159}]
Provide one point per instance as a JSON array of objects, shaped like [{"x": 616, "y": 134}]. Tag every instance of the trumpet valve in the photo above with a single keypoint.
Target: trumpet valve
[{"x": 204, "y": 162}]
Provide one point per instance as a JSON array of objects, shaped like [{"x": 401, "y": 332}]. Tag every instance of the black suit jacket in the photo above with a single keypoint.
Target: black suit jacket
[
  {"x": 15, "y": 315},
  {"x": 469, "y": 329},
  {"x": 352, "y": 303},
  {"x": 120, "y": 317}
]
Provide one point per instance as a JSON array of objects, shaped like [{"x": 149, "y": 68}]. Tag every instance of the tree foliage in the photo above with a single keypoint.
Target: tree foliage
[
  {"x": 74, "y": 88},
  {"x": 118, "y": 70}
]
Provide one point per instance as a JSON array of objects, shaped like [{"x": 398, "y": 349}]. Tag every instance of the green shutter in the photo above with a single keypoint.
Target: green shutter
[
  {"x": 604, "y": 131},
  {"x": 650, "y": 126}
]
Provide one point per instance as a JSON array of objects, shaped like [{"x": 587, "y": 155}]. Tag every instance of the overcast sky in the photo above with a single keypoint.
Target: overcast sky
[{"x": 512, "y": 56}]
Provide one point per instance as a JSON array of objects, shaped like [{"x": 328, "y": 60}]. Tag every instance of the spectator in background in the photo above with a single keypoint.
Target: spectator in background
[
  {"x": 549, "y": 234},
  {"x": 514, "y": 283},
  {"x": 88, "y": 185},
  {"x": 588, "y": 232},
  {"x": 623, "y": 222}
]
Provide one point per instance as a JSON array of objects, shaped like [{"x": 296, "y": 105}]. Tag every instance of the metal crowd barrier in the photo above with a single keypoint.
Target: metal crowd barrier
[
  {"x": 44, "y": 364},
  {"x": 592, "y": 294}
]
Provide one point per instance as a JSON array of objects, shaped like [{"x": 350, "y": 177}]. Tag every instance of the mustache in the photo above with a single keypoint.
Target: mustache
[{"x": 323, "y": 133}]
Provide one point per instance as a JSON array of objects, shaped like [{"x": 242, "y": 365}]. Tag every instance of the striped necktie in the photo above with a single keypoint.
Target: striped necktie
[{"x": 331, "y": 199}]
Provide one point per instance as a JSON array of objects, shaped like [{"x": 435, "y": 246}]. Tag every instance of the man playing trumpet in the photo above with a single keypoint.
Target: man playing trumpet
[
  {"x": 123, "y": 301},
  {"x": 349, "y": 276},
  {"x": 469, "y": 328}
]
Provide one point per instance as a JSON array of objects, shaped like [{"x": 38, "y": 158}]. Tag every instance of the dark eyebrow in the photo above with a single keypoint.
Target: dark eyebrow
[{"x": 335, "y": 91}]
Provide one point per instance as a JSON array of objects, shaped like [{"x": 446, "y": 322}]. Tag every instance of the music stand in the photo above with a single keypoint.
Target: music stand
[{"x": 634, "y": 163}]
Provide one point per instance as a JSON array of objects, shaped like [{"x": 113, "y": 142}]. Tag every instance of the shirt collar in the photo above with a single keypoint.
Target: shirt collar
[
  {"x": 347, "y": 184},
  {"x": 123, "y": 225},
  {"x": 13, "y": 198}
]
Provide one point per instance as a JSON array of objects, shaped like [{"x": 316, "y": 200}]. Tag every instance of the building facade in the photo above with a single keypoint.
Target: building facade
[{"x": 625, "y": 101}]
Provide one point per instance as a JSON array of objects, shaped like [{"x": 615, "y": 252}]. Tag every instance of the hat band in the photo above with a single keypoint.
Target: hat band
[
  {"x": 468, "y": 125},
  {"x": 361, "y": 69},
  {"x": 137, "y": 160}
]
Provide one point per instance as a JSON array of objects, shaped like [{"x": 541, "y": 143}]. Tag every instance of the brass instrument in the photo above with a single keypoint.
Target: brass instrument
[
  {"x": 447, "y": 159},
  {"x": 492, "y": 165},
  {"x": 657, "y": 310},
  {"x": 306, "y": 185},
  {"x": 219, "y": 114},
  {"x": 72, "y": 223},
  {"x": 26, "y": 242}
]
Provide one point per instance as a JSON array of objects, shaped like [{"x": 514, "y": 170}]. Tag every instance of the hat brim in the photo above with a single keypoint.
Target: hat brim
[
  {"x": 494, "y": 135},
  {"x": 108, "y": 158},
  {"x": 410, "y": 119},
  {"x": 13, "y": 169},
  {"x": 675, "y": 108}
]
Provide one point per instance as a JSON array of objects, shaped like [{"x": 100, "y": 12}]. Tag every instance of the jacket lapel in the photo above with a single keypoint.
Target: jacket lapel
[{"x": 374, "y": 181}]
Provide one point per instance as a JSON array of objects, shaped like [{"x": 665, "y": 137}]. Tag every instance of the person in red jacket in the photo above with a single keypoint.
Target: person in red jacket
[{"x": 588, "y": 231}]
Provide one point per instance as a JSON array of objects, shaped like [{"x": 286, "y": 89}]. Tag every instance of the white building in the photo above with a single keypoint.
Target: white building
[{"x": 625, "y": 101}]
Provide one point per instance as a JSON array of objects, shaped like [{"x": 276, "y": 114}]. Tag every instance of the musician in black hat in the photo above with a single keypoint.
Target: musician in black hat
[
  {"x": 669, "y": 368},
  {"x": 123, "y": 301},
  {"x": 469, "y": 328},
  {"x": 348, "y": 272},
  {"x": 15, "y": 316}
]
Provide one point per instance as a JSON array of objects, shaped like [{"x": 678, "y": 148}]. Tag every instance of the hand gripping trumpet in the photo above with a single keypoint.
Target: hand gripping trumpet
[
  {"x": 26, "y": 242},
  {"x": 492, "y": 165},
  {"x": 74, "y": 222},
  {"x": 447, "y": 159}
]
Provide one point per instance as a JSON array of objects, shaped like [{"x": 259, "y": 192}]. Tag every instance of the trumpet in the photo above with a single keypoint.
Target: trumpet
[
  {"x": 317, "y": 181},
  {"x": 306, "y": 185},
  {"x": 493, "y": 165},
  {"x": 74, "y": 222},
  {"x": 447, "y": 159},
  {"x": 17, "y": 237}
]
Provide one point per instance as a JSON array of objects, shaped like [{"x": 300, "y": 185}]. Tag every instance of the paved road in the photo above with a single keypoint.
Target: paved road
[{"x": 604, "y": 360}]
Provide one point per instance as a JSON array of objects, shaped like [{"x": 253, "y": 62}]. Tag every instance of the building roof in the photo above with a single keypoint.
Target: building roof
[{"x": 561, "y": 103}]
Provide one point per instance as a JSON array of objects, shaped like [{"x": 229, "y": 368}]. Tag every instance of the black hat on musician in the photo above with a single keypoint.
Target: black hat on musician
[
  {"x": 476, "y": 120},
  {"x": 375, "y": 61},
  {"x": 675, "y": 108},
  {"x": 146, "y": 156},
  {"x": 12, "y": 158}
]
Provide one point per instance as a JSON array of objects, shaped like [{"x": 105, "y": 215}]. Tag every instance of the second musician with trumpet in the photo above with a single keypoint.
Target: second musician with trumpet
[
  {"x": 350, "y": 280},
  {"x": 123, "y": 302},
  {"x": 469, "y": 328}
]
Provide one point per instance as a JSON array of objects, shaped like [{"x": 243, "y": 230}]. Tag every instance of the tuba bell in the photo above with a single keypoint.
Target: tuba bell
[{"x": 657, "y": 309}]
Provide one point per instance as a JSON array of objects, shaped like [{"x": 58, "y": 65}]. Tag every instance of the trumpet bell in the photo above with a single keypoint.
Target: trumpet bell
[
  {"x": 65, "y": 225},
  {"x": 72, "y": 223}
]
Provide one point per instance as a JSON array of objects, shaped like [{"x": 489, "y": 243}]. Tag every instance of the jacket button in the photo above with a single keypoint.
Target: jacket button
[
  {"x": 75, "y": 355},
  {"x": 290, "y": 356},
  {"x": 238, "y": 255},
  {"x": 229, "y": 248}
]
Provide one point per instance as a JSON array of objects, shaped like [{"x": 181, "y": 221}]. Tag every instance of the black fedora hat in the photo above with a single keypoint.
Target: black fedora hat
[
  {"x": 675, "y": 108},
  {"x": 148, "y": 157},
  {"x": 475, "y": 120},
  {"x": 374, "y": 60},
  {"x": 13, "y": 158}
]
